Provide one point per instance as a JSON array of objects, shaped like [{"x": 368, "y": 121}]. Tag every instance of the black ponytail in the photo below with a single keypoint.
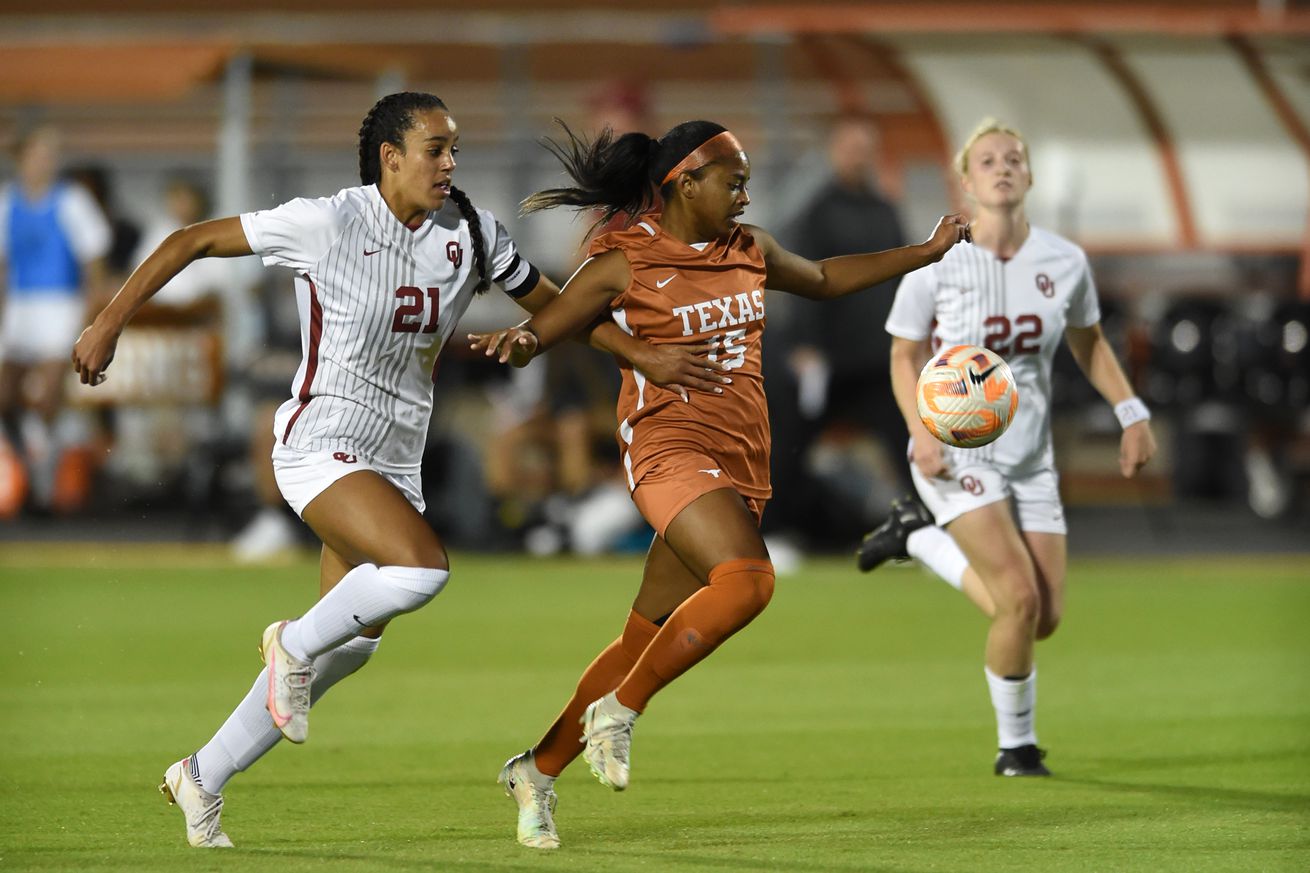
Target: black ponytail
[
  {"x": 610, "y": 173},
  {"x": 388, "y": 121},
  {"x": 475, "y": 232},
  {"x": 618, "y": 175}
]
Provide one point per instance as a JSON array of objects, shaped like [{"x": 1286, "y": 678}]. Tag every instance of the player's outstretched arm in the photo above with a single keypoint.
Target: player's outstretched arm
[
  {"x": 219, "y": 238},
  {"x": 575, "y": 308},
  {"x": 672, "y": 365},
  {"x": 835, "y": 277},
  {"x": 1096, "y": 359}
]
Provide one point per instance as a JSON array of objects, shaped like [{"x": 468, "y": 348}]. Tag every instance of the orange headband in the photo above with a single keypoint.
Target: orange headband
[{"x": 718, "y": 146}]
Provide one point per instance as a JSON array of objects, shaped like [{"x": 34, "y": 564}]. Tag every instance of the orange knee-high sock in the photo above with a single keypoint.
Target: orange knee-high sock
[
  {"x": 738, "y": 591},
  {"x": 562, "y": 740}
]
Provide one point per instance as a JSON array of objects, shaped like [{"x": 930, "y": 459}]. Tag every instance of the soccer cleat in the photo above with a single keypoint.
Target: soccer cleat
[
  {"x": 289, "y": 681},
  {"x": 607, "y": 731},
  {"x": 536, "y": 803},
  {"x": 887, "y": 541},
  {"x": 1021, "y": 761},
  {"x": 202, "y": 809}
]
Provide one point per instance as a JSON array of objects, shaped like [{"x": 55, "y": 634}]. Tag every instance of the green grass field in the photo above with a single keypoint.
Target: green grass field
[{"x": 848, "y": 729}]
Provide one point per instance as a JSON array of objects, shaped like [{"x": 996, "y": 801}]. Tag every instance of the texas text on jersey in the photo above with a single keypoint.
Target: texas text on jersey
[{"x": 713, "y": 291}]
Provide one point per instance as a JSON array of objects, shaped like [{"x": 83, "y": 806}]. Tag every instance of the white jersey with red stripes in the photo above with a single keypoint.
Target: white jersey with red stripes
[
  {"x": 378, "y": 301},
  {"x": 1018, "y": 308}
]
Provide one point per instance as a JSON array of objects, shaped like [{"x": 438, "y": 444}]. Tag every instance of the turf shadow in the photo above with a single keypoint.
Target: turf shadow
[
  {"x": 1237, "y": 797},
  {"x": 391, "y": 862},
  {"x": 676, "y": 860}
]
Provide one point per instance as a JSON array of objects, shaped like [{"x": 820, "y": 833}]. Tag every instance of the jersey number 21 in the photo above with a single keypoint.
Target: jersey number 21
[{"x": 409, "y": 312}]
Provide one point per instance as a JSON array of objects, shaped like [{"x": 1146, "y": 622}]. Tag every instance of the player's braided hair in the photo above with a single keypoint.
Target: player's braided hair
[
  {"x": 475, "y": 232},
  {"x": 388, "y": 121},
  {"x": 619, "y": 174}
]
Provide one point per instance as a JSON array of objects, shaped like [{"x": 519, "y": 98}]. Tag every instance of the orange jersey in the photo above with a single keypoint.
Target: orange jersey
[{"x": 680, "y": 293}]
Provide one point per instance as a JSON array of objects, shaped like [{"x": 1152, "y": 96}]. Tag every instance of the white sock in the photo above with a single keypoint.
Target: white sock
[
  {"x": 611, "y": 704},
  {"x": 936, "y": 550},
  {"x": 249, "y": 732},
  {"x": 366, "y": 596},
  {"x": 538, "y": 778},
  {"x": 1015, "y": 702},
  {"x": 331, "y": 667}
]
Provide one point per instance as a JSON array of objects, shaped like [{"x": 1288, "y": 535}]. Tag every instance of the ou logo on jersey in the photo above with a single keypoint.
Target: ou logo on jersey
[
  {"x": 1045, "y": 285},
  {"x": 344, "y": 458},
  {"x": 455, "y": 254},
  {"x": 971, "y": 484}
]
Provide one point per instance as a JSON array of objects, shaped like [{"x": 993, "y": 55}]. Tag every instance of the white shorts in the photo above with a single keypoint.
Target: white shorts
[
  {"x": 41, "y": 327},
  {"x": 302, "y": 476},
  {"x": 1036, "y": 496}
]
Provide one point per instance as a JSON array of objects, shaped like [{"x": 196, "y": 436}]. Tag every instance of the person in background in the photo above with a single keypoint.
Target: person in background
[
  {"x": 53, "y": 241},
  {"x": 826, "y": 366},
  {"x": 124, "y": 231},
  {"x": 157, "y": 442},
  {"x": 193, "y": 295},
  {"x": 559, "y": 457},
  {"x": 273, "y": 528}
]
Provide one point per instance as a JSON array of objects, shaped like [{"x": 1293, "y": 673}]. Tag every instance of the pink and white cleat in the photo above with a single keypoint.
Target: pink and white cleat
[{"x": 289, "y": 681}]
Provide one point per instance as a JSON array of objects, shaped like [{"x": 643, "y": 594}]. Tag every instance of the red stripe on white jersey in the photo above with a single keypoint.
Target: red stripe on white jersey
[
  {"x": 315, "y": 337},
  {"x": 311, "y": 356},
  {"x": 292, "y": 421}
]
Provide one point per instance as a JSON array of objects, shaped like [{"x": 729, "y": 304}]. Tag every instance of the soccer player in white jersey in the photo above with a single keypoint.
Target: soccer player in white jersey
[
  {"x": 991, "y": 523},
  {"x": 383, "y": 273}
]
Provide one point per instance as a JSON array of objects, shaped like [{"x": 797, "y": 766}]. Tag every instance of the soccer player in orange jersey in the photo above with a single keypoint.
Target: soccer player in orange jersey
[{"x": 697, "y": 463}]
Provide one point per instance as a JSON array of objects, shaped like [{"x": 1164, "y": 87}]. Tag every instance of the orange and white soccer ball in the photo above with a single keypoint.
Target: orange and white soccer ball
[{"x": 967, "y": 396}]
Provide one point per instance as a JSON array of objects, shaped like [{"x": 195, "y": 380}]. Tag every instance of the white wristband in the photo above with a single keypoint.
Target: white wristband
[{"x": 1131, "y": 411}]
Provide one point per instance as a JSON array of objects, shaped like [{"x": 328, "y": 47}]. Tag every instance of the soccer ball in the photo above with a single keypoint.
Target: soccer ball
[{"x": 967, "y": 396}]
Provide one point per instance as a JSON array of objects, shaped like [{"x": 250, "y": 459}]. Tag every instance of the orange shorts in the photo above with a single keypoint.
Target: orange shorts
[{"x": 675, "y": 481}]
